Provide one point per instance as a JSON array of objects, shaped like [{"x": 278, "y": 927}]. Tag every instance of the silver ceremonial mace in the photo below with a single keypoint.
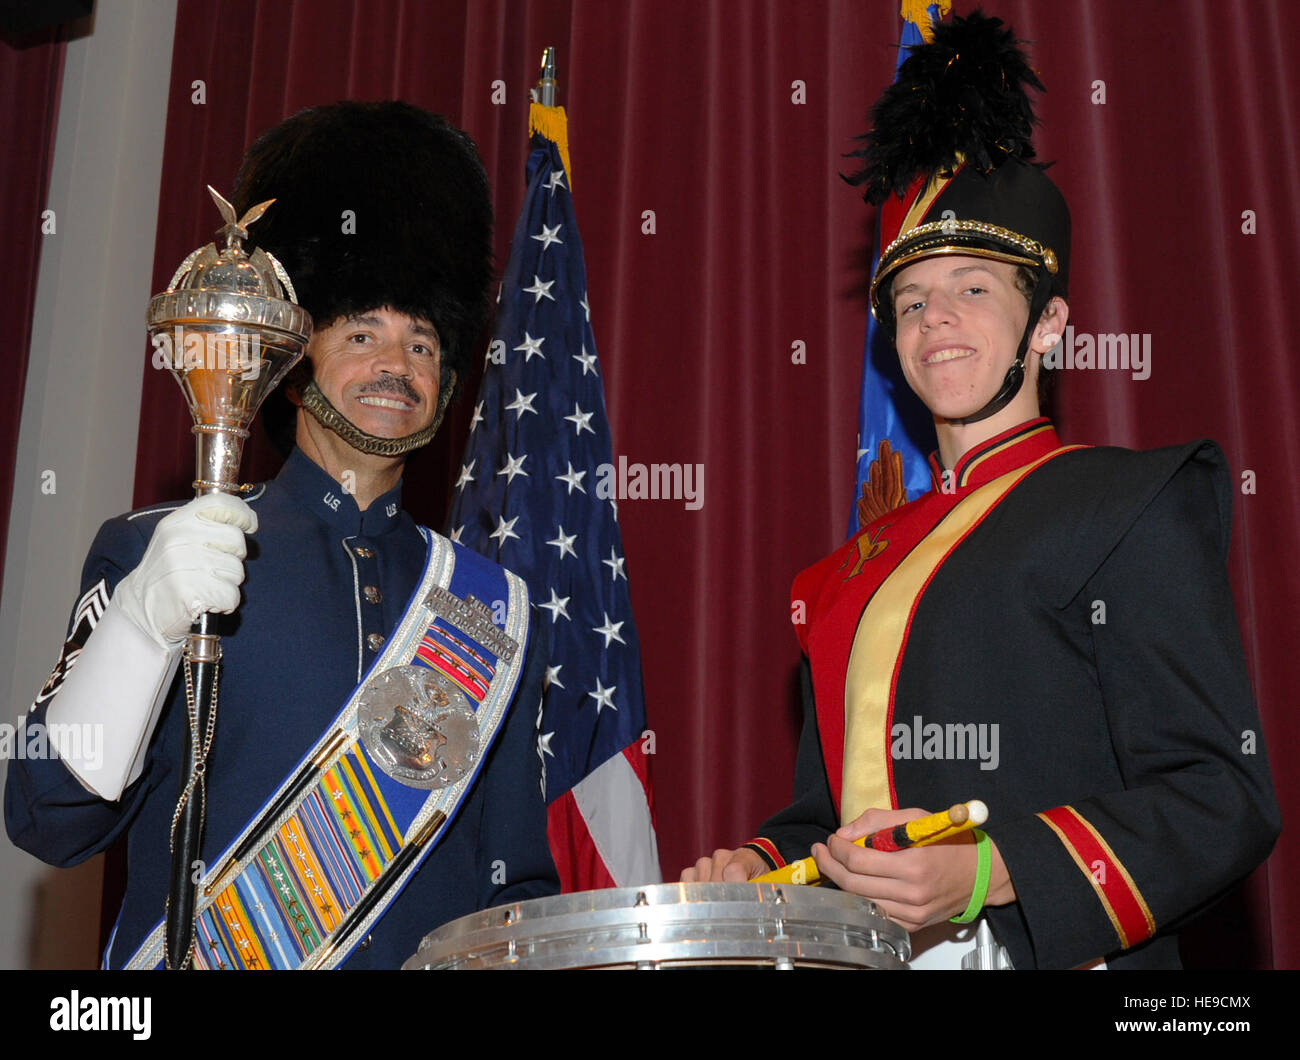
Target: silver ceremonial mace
[{"x": 230, "y": 326}]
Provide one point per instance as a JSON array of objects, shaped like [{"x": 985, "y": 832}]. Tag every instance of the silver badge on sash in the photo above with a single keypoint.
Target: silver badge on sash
[{"x": 418, "y": 727}]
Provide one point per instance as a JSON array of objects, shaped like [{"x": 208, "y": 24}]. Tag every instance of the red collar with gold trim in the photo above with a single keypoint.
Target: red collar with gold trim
[
  {"x": 828, "y": 599},
  {"x": 1004, "y": 452}
]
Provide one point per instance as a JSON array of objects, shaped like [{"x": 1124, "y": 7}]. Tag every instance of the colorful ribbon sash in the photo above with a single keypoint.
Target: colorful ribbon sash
[{"x": 306, "y": 879}]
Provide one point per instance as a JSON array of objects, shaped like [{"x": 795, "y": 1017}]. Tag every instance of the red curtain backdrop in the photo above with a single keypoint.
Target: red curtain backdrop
[
  {"x": 31, "y": 71},
  {"x": 1183, "y": 192}
]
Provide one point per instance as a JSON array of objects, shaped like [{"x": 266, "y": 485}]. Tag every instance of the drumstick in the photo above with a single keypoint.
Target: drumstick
[{"x": 921, "y": 832}]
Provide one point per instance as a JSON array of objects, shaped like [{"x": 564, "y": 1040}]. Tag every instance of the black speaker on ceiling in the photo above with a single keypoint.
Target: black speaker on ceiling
[{"x": 28, "y": 16}]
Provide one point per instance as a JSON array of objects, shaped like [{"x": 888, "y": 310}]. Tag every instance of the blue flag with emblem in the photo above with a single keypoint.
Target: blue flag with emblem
[
  {"x": 893, "y": 424},
  {"x": 533, "y": 495}
]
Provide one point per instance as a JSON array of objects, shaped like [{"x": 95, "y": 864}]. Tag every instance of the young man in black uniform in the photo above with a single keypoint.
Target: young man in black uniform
[{"x": 1050, "y": 629}]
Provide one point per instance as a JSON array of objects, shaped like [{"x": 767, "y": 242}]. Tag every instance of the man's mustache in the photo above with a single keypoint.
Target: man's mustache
[{"x": 391, "y": 384}]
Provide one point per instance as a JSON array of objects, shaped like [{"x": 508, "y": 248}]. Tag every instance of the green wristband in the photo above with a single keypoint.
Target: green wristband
[{"x": 983, "y": 870}]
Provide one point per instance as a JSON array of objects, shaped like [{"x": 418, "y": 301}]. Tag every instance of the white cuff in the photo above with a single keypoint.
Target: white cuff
[{"x": 109, "y": 702}]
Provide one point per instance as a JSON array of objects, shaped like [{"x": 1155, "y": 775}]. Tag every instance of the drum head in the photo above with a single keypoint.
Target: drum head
[{"x": 673, "y": 925}]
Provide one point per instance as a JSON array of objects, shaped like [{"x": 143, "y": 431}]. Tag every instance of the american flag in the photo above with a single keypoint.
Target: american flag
[{"x": 528, "y": 497}]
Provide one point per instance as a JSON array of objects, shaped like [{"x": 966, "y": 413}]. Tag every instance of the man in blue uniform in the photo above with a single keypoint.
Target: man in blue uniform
[
  {"x": 1050, "y": 629},
  {"x": 331, "y": 589}
]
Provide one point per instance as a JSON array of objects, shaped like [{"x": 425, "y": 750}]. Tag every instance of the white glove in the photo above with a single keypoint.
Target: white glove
[{"x": 194, "y": 564}]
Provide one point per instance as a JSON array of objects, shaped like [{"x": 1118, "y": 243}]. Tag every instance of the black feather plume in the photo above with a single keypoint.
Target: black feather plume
[{"x": 964, "y": 94}]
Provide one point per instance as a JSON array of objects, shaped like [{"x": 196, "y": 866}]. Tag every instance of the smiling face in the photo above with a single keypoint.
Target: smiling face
[
  {"x": 380, "y": 369},
  {"x": 959, "y": 323}
]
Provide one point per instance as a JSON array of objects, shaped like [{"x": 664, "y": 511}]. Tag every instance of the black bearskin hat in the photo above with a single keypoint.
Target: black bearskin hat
[
  {"x": 949, "y": 161},
  {"x": 377, "y": 204}
]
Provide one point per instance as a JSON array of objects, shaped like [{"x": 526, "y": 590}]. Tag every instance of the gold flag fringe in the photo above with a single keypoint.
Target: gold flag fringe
[{"x": 552, "y": 123}]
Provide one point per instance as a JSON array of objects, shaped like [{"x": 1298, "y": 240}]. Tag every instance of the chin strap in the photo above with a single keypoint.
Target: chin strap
[
  {"x": 331, "y": 418},
  {"x": 1015, "y": 377},
  {"x": 1011, "y": 384}
]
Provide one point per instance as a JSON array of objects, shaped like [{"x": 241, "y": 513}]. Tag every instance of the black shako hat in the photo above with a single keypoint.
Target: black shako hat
[
  {"x": 377, "y": 204},
  {"x": 949, "y": 162}
]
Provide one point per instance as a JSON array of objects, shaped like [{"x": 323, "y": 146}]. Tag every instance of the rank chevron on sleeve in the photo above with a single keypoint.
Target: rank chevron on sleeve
[{"x": 339, "y": 834}]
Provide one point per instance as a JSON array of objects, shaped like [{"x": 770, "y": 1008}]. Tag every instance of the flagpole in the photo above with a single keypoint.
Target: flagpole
[{"x": 546, "y": 79}]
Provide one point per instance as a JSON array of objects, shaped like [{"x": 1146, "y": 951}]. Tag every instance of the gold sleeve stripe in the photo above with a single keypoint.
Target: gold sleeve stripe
[{"x": 1118, "y": 894}]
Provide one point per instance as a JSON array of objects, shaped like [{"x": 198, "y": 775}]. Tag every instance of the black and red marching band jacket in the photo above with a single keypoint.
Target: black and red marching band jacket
[{"x": 1051, "y": 630}]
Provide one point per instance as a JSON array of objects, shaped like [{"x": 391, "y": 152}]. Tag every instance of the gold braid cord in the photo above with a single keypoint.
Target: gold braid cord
[{"x": 329, "y": 417}]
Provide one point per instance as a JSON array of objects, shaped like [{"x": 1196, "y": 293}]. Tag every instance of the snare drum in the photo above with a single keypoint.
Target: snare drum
[{"x": 673, "y": 925}]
